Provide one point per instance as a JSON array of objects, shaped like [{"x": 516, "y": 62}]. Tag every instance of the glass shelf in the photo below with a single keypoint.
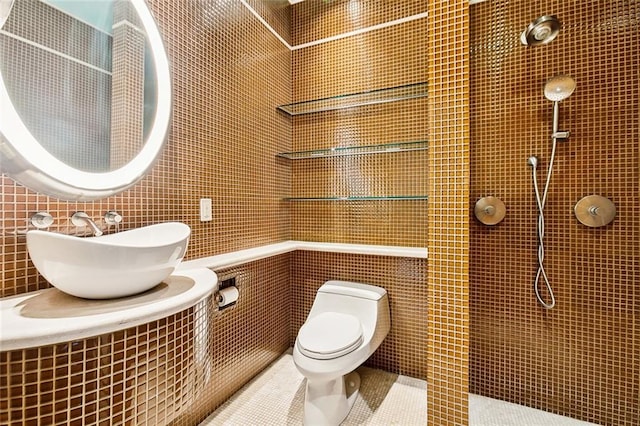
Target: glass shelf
[
  {"x": 372, "y": 97},
  {"x": 369, "y": 198},
  {"x": 356, "y": 150}
]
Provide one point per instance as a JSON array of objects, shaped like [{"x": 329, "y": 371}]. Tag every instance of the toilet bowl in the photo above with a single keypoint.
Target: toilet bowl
[{"x": 346, "y": 324}]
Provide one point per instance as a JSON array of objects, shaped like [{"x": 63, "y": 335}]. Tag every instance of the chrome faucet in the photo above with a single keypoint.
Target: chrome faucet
[
  {"x": 83, "y": 219},
  {"x": 112, "y": 218}
]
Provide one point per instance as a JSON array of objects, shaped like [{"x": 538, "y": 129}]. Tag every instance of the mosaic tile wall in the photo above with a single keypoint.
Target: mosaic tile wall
[
  {"x": 404, "y": 349},
  {"x": 128, "y": 87},
  {"x": 358, "y": 64},
  {"x": 277, "y": 13},
  {"x": 352, "y": 65},
  {"x": 315, "y": 20},
  {"x": 140, "y": 375},
  {"x": 582, "y": 358},
  {"x": 171, "y": 371},
  {"x": 229, "y": 72},
  {"x": 448, "y": 222}
]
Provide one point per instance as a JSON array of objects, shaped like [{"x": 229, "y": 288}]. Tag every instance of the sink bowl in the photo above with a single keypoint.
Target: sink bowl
[{"x": 109, "y": 266}]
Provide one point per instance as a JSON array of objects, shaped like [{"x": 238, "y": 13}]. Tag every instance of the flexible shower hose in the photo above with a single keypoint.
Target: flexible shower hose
[{"x": 541, "y": 203}]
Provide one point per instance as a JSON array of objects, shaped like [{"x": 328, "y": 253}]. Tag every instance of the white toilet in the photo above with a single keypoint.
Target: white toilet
[{"x": 346, "y": 324}]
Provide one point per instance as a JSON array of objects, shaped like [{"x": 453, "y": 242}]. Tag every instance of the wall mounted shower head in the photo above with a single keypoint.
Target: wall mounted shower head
[
  {"x": 559, "y": 88},
  {"x": 541, "y": 31},
  {"x": 532, "y": 161}
]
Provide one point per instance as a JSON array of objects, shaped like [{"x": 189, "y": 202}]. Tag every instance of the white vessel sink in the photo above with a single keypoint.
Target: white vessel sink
[{"x": 109, "y": 266}]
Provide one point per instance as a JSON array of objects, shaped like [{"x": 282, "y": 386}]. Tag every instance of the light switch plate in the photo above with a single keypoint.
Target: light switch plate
[{"x": 206, "y": 210}]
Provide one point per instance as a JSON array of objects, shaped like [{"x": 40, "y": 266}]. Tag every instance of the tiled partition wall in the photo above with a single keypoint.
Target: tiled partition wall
[
  {"x": 448, "y": 270},
  {"x": 172, "y": 371},
  {"x": 229, "y": 72},
  {"x": 582, "y": 358}
]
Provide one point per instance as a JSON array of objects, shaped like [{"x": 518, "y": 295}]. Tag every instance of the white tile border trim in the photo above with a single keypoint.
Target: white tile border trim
[
  {"x": 263, "y": 22},
  {"x": 335, "y": 37},
  {"x": 343, "y": 35},
  {"x": 249, "y": 255},
  {"x": 361, "y": 31}
]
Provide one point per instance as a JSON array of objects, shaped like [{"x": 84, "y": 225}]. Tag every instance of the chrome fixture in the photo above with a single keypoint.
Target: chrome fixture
[
  {"x": 541, "y": 31},
  {"x": 595, "y": 211},
  {"x": 112, "y": 218},
  {"x": 41, "y": 220},
  {"x": 490, "y": 210},
  {"x": 556, "y": 90},
  {"x": 83, "y": 219}
]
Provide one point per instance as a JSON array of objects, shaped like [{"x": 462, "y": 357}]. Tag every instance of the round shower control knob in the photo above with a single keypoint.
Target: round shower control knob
[
  {"x": 595, "y": 211},
  {"x": 490, "y": 210}
]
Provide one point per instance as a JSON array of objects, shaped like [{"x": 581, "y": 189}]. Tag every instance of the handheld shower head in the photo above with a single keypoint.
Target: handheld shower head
[
  {"x": 559, "y": 88},
  {"x": 532, "y": 161}
]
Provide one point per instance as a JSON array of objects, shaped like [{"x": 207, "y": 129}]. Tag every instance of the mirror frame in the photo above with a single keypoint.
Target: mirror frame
[{"x": 23, "y": 158}]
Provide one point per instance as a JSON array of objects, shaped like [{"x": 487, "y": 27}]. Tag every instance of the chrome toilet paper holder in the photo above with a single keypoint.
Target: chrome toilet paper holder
[{"x": 228, "y": 294}]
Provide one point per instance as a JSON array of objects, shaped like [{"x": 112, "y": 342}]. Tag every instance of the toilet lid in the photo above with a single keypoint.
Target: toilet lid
[{"x": 330, "y": 335}]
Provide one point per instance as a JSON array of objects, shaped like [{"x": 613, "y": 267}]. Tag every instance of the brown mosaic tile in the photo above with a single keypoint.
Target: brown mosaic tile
[
  {"x": 404, "y": 349},
  {"x": 172, "y": 371},
  {"x": 448, "y": 227},
  {"x": 223, "y": 141},
  {"x": 136, "y": 375},
  {"x": 224, "y": 135},
  {"x": 277, "y": 13},
  {"x": 361, "y": 63},
  {"x": 580, "y": 359},
  {"x": 315, "y": 20},
  {"x": 343, "y": 67}
]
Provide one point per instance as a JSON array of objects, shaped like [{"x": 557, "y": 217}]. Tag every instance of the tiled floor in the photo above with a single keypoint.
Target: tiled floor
[{"x": 276, "y": 397}]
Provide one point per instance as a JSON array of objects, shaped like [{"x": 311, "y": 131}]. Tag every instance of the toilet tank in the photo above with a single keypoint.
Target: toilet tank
[
  {"x": 347, "y": 288},
  {"x": 367, "y": 302}
]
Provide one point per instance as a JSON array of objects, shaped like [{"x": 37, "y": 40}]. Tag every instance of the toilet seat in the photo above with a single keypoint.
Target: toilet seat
[{"x": 330, "y": 335}]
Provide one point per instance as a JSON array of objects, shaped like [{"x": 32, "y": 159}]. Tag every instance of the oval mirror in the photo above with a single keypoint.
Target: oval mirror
[{"x": 85, "y": 96}]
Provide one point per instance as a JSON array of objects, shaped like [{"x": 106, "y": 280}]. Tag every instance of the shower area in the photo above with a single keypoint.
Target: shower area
[{"x": 575, "y": 350}]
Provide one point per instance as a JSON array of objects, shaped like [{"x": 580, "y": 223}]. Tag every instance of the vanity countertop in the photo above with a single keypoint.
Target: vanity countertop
[
  {"x": 239, "y": 257},
  {"x": 50, "y": 316}
]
